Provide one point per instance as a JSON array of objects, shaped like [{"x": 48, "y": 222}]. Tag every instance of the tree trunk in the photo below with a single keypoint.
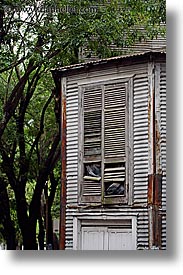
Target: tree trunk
[
  {"x": 5, "y": 218},
  {"x": 50, "y": 229},
  {"x": 27, "y": 223},
  {"x": 10, "y": 236},
  {"x": 29, "y": 240},
  {"x": 41, "y": 234}
]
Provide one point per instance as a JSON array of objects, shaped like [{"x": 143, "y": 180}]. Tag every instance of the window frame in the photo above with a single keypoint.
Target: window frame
[{"x": 102, "y": 198}]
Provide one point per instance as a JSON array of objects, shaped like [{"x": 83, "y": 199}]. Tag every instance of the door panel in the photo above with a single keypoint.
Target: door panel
[
  {"x": 106, "y": 238},
  {"x": 118, "y": 239},
  {"x": 93, "y": 238}
]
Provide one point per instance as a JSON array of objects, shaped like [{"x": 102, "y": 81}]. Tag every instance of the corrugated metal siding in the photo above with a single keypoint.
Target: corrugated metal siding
[
  {"x": 72, "y": 155},
  {"x": 163, "y": 128},
  {"x": 69, "y": 229},
  {"x": 141, "y": 223},
  {"x": 163, "y": 146},
  {"x": 140, "y": 132},
  {"x": 72, "y": 142},
  {"x": 142, "y": 230},
  {"x": 140, "y": 148},
  {"x": 163, "y": 237},
  {"x": 143, "y": 46}
]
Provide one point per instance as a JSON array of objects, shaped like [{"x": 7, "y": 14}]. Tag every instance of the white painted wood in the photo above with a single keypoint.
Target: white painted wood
[
  {"x": 93, "y": 238},
  {"x": 104, "y": 232},
  {"x": 120, "y": 239}
]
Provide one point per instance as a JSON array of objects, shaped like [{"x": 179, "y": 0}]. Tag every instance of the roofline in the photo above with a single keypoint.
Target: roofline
[{"x": 107, "y": 60}]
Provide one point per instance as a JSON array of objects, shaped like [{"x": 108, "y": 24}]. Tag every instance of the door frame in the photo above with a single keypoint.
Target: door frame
[{"x": 116, "y": 220}]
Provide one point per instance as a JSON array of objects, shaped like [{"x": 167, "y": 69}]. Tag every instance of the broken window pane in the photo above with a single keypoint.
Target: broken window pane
[
  {"x": 92, "y": 171},
  {"x": 114, "y": 178},
  {"x": 114, "y": 188}
]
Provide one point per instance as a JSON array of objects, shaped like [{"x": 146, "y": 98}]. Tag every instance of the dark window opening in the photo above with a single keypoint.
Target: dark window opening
[
  {"x": 114, "y": 178},
  {"x": 92, "y": 171}
]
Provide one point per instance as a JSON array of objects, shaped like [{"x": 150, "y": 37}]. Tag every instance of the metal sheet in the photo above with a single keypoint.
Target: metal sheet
[
  {"x": 140, "y": 130},
  {"x": 140, "y": 150}
]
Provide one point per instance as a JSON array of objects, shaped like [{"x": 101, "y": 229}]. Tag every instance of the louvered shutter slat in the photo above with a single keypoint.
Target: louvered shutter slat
[
  {"x": 92, "y": 108},
  {"x": 92, "y": 98},
  {"x": 91, "y": 188},
  {"x": 114, "y": 141},
  {"x": 104, "y": 115},
  {"x": 92, "y": 133},
  {"x": 114, "y": 120}
]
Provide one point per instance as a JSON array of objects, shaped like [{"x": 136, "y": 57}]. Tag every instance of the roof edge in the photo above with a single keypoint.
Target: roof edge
[{"x": 87, "y": 65}]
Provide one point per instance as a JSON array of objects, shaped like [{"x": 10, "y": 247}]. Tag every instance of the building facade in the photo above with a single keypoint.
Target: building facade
[{"x": 113, "y": 136}]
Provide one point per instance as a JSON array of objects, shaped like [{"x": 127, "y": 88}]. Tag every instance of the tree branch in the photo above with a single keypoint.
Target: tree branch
[
  {"x": 44, "y": 172},
  {"x": 8, "y": 166},
  {"x": 14, "y": 98},
  {"x": 54, "y": 184},
  {"x": 41, "y": 127}
]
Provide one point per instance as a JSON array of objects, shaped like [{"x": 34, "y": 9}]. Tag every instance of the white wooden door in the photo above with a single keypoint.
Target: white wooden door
[
  {"x": 120, "y": 239},
  {"x": 93, "y": 238},
  {"x": 106, "y": 238}
]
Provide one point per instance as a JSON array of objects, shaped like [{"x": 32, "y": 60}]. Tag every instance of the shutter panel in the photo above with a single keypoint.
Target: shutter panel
[
  {"x": 92, "y": 133},
  {"x": 114, "y": 142},
  {"x": 114, "y": 120},
  {"x": 91, "y": 179},
  {"x": 92, "y": 98},
  {"x": 104, "y": 144},
  {"x": 92, "y": 120}
]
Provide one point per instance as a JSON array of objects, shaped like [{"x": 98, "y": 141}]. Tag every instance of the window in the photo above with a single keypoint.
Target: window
[{"x": 104, "y": 143}]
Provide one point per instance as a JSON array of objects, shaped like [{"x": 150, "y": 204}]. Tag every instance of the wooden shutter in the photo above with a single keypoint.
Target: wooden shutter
[
  {"x": 114, "y": 142},
  {"x": 114, "y": 120},
  {"x": 104, "y": 144},
  {"x": 92, "y": 117},
  {"x": 92, "y": 133}
]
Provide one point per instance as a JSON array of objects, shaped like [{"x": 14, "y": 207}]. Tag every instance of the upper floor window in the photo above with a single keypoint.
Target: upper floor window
[{"x": 104, "y": 146}]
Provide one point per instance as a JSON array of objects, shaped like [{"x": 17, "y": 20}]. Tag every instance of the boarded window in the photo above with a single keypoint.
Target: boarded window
[{"x": 104, "y": 119}]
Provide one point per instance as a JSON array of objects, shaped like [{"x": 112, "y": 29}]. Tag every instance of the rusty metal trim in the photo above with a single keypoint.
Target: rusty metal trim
[
  {"x": 63, "y": 171},
  {"x": 150, "y": 188},
  {"x": 154, "y": 189},
  {"x": 158, "y": 190}
]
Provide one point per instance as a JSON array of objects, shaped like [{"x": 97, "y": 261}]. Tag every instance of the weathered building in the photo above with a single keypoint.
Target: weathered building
[{"x": 113, "y": 134}]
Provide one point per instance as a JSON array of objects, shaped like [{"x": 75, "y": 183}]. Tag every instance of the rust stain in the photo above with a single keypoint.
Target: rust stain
[
  {"x": 150, "y": 188},
  {"x": 158, "y": 148},
  {"x": 158, "y": 189},
  {"x": 157, "y": 227},
  {"x": 149, "y": 117},
  {"x": 63, "y": 173},
  {"x": 154, "y": 202}
]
